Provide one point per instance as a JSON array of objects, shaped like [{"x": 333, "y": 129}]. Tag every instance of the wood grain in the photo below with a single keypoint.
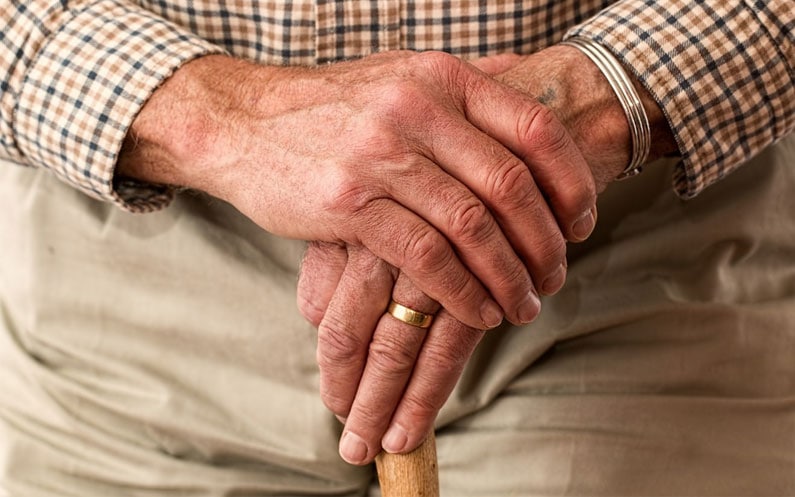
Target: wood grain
[{"x": 415, "y": 474}]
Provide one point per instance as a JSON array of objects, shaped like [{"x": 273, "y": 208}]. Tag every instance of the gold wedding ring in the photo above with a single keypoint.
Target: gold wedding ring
[{"x": 409, "y": 316}]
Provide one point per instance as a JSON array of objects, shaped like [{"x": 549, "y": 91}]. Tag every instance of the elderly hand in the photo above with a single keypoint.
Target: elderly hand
[
  {"x": 420, "y": 158},
  {"x": 388, "y": 379},
  {"x": 375, "y": 370}
]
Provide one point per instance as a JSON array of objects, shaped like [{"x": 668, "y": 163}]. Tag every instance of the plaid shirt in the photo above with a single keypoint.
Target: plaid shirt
[{"x": 73, "y": 75}]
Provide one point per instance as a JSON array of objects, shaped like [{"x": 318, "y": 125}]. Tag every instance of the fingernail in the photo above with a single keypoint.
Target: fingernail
[
  {"x": 491, "y": 314},
  {"x": 583, "y": 227},
  {"x": 395, "y": 439},
  {"x": 555, "y": 281},
  {"x": 529, "y": 309},
  {"x": 352, "y": 448}
]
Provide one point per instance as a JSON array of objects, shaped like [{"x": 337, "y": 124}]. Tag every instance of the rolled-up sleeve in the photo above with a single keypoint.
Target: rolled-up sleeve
[
  {"x": 723, "y": 72},
  {"x": 74, "y": 76}
]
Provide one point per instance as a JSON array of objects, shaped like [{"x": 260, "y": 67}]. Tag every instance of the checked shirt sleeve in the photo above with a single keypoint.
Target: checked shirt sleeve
[
  {"x": 723, "y": 72},
  {"x": 73, "y": 76}
]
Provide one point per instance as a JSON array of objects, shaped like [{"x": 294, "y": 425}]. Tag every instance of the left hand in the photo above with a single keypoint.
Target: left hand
[{"x": 384, "y": 378}]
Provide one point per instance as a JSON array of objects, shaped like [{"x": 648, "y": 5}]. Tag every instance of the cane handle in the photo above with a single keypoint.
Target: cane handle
[{"x": 415, "y": 474}]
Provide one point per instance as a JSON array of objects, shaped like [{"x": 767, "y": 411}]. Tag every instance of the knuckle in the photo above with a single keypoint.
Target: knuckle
[
  {"x": 403, "y": 100},
  {"x": 379, "y": 138},
  {"x": 436, "y": 60},
  {"x": 460, "y": 293},
  {"x": 429, "y": 260},
  {"x": 396, "y": 94},
  {"x": 443, "y": 363},
  {"x": 540, "y": 127},
  {"x": 423, "y": 406},
  {"x": 451, "y": 357},
  {"x": 510, "y": 182},
  {"x": 347, "y": 192},
  {"x": 454, "y": 73},
  {"x": 336, "y": 345},
  {"x": 427, "y": 249},
  {"x": 471, "y": 222},
  {"x": 391, "y": 357}
]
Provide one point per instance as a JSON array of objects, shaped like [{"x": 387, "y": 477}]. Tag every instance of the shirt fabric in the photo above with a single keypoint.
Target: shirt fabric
[
  {"x": 663, "y": 366},
  {"x": 75, "y": 74}
]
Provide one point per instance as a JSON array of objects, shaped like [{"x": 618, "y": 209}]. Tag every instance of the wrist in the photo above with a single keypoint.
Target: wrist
[
  {"x": 182, "y": 135},
  {"x": 567, "y": 81}
]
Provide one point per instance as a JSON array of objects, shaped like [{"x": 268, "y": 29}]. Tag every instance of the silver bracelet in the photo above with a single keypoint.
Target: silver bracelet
[{"x": 640, "y": 131}]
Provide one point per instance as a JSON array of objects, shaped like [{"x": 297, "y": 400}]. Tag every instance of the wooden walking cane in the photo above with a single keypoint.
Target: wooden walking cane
[{"x": 415, "y": 474}]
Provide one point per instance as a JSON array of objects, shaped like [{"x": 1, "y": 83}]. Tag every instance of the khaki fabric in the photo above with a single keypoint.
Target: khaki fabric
[
  {"x": 157, "y": 354},
  {"x": 163, "y": 354}
]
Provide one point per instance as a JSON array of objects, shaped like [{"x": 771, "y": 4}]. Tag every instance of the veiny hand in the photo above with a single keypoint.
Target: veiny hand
[
  {"x": 390, "y": 380},
  {"x": 420, "y": 158}
]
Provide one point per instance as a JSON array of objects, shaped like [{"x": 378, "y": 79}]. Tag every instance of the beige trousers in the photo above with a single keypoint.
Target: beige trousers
[{"x": 163, "y": 354}]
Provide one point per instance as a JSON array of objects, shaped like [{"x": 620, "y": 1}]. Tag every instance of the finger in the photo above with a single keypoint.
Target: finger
[
  {"x": 345, "y": 332},
  {"x": 479, "y": 241},
  {"x": 528, "y": 129},
  {"x": 508, "y": 188},
  {"x": 491, "y": 159},
  {"x": 392, "y": 352},
  {"x": 320, "y": 273},
  {"x": 445, "y": 351},
  {"x": 535, "y": 135},
  {"x": 428, "y": 259}
]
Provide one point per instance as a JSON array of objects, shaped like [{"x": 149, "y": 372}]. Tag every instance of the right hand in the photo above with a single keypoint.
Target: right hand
[{"x": 421, "y": 158}]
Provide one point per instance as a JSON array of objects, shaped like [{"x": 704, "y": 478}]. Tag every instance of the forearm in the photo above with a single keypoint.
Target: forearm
[{"x": 184, "y": 129}]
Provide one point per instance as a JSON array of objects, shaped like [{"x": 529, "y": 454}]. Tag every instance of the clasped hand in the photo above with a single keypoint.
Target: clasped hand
[
  {"x": 501, "y": 180},
  {"x": 418, "y": 177}
]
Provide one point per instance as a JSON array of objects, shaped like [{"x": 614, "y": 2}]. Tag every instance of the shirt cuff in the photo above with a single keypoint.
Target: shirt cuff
[
  {"x": 719, "y": 76},
  {"x": 84, "y": 88}
]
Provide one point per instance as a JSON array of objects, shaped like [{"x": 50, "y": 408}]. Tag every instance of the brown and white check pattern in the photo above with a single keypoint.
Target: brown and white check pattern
[{"x": 73, "y": 75}]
